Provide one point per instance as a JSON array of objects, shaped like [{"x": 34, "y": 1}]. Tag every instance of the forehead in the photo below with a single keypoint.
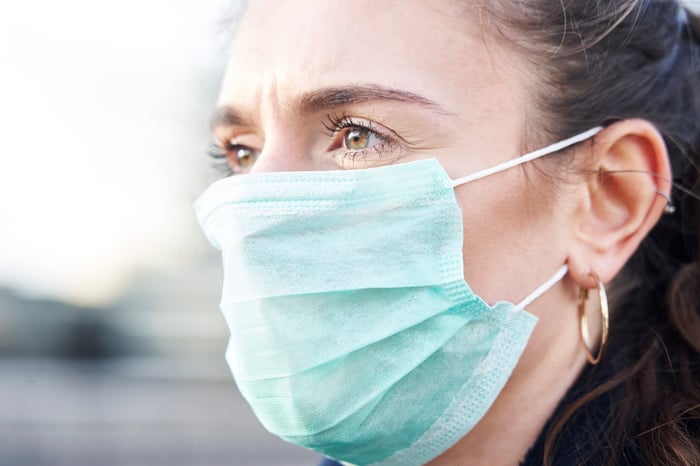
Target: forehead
[{"x": 287, "y": 47}]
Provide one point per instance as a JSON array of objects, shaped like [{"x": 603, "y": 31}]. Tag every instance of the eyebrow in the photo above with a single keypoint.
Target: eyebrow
[
  {"x": 331, "y": 97},
  {"x": 326, "y": 98},
  {"x": 227, "y": 115}
]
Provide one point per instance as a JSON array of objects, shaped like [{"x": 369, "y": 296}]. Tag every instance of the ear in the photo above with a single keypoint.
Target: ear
[{"x": 620, "y": 201}]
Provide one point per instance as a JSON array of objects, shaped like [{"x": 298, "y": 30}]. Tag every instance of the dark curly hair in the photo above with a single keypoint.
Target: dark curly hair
[{"x": 598, "y": 62}]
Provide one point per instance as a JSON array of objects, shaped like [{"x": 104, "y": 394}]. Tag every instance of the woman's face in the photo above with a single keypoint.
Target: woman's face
[{"x": 327, "y": 84}]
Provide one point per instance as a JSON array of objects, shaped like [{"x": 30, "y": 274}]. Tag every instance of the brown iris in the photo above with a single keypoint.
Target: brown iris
[
  {"x": 245, "y": 157},
  {"x": 357, "y": 139}
]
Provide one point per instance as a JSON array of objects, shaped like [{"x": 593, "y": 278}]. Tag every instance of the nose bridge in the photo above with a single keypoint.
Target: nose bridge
[
  {"x": 282, "y": 151},
  {"x": 286, "y": 136}
]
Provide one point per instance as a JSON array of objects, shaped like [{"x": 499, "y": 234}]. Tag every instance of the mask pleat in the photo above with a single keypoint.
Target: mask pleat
[
  {"x": 267, "y": 332},
  {"x": 435, "y": 381},
  {"x": 376, "y": 368},
  {"x": 353, "y": 331},
  {"x": 339, "y": 253}
]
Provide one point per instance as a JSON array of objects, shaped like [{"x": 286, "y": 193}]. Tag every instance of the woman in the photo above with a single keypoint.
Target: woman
[{"x": 402, "y": 288}]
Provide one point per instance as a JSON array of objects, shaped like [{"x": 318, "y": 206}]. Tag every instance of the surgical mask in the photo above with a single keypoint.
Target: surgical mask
[{"x": 353, "y": 332}]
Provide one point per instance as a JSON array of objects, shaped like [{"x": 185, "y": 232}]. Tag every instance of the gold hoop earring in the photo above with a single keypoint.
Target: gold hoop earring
[{"x": 583, "y": 323}]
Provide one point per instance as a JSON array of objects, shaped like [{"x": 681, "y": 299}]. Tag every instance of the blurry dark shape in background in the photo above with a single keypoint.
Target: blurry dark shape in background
[
  {"x": 43, "y": 327},
  {"x": 139, "y": 382},
  {"x": 100, "y": 211}
]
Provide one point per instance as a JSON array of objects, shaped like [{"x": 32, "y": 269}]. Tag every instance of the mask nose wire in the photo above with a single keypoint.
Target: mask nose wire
[{"x": 557, "y": 146}]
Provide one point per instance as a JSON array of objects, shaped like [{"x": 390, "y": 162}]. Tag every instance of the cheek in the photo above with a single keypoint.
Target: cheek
[{"x": 511, "y": 244}]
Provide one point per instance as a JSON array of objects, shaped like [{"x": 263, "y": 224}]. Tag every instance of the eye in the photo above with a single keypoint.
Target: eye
[
  {"x": 359, "y": 139},
  {"x": 245, "y": 156},
  {"x": 232, "y": 158},
  {"x": 357, "y": 142},
  {"x": 240, "y": 158}
]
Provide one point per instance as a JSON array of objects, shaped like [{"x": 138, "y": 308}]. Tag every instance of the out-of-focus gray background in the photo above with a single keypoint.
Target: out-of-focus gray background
[{"x": 111, "y": 343}]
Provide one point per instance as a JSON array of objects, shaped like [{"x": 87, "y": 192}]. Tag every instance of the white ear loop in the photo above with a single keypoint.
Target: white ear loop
[
  {"x": 542, "y": 289},
  {"x": 528, "y": 157}
]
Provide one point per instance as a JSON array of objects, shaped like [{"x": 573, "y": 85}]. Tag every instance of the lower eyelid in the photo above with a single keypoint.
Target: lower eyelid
[{"x": 375, "y": 153}]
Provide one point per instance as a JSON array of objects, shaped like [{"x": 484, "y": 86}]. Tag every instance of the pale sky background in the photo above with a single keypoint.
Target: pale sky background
[{"x": 104, "y": 110}]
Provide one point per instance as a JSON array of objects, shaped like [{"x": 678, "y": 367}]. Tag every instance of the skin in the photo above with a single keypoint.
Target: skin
[{"x": 468, "y": 108}]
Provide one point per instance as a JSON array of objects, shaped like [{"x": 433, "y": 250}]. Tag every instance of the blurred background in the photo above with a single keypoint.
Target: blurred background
[{"x": 111, "y": 342}]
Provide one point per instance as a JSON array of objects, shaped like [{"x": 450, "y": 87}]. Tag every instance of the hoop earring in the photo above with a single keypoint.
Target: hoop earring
[{"x": 583, "y": 323}]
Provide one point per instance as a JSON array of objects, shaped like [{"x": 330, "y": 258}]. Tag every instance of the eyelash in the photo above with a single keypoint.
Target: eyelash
[
  {"x": 335, "y": 126},
  {"x": 215, "y": 151},
  {"x": 336, "y": 123},
  {"x": 220, "y": 156}
]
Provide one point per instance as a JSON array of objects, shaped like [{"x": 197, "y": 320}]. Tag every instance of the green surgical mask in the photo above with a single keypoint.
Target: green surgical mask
[{"x": 353, "y": 332}]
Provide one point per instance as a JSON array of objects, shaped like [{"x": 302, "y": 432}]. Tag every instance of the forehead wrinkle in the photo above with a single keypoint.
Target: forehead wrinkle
[
  {"x": 264, "y": 95},
  {"x": 330, "y": 97}
]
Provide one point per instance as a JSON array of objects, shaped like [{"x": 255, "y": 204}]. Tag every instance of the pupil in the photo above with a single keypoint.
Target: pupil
[
  {"x": 357, "y": 139},
  {"x": 245, "y": 157}
]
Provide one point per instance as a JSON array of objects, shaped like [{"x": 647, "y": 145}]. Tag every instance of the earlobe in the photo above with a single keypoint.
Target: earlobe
[{"x": 620, "y": 201}]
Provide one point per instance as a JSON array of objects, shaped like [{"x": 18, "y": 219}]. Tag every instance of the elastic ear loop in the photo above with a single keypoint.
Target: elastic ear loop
[
  {"x": 514, "y": 163},
  {"x": 542, "y": 289},
  {"x": 528, "y": 157}
]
